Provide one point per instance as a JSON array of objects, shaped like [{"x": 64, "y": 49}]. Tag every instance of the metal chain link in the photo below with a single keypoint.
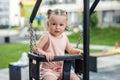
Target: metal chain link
[
  {"x": 32, "y": 40},
  {"x": 79, "y": 39}
]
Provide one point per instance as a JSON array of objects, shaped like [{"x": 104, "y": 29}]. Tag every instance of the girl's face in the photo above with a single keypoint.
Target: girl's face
[{"x": 57, "y": 24}]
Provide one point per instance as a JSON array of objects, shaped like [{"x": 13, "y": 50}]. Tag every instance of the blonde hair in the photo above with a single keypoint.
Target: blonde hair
[{"x": 56, "y": 12}]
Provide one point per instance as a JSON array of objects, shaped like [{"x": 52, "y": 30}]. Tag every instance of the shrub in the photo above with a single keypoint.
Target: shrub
[{"x": 93, "y": 20}]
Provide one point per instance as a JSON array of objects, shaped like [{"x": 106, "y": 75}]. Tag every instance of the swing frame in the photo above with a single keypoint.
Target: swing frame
[{"x": 80, "y": 60}]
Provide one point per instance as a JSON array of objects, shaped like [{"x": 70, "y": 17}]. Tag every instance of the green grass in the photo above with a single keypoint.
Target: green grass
[
  {"x": 105, "y": 36},
  {"x": 11, "y": 53}
]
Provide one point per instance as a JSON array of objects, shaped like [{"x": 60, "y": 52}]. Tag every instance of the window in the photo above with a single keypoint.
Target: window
[
  {"x": 116, "y": 19},
  {"x": 70, "y": 1}
]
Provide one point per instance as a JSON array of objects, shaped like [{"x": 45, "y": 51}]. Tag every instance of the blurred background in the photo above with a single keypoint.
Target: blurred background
[
  {"x": 104, "y": 32},
  {"x": 16, "y": 13}
]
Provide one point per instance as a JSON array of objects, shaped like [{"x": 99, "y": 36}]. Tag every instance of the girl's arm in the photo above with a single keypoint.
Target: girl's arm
[
  {"x": 71, "y": 49},
  {"x": 42, "y": 42}
]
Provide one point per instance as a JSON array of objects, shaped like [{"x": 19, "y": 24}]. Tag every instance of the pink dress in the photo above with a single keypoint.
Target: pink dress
[{"x": 56, "y": 46}]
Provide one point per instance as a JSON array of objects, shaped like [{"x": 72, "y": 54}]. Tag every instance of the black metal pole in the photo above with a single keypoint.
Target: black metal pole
[
  {"x": 35, "y": 9},
  {"x": 86, "y": 40},
  {"x": 94, "y": 6}
]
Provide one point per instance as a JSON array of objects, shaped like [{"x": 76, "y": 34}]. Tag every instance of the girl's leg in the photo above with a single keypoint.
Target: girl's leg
[
  {"x": 73, "y": 76},
  {"x": 49, "y": 77}
]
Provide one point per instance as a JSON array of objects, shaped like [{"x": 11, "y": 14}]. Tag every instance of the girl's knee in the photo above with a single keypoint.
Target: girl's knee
[
  {"x": 74, "y": 76},
  {"x": 50, "y": 77}
]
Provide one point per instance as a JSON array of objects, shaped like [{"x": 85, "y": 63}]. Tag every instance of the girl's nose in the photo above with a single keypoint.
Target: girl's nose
[{"x": 57, "y": 26}]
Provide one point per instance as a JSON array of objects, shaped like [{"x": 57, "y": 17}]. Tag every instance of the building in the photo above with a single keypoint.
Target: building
[
  {"x": 9, "y": 13},
  {"x": 4, "y": 13},
  {"x": 108, "y": 10}
]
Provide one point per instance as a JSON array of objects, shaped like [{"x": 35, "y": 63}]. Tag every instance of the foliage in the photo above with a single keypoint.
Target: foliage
[
  {"x": 74, "y": 37},
  {"x": 94, "y": 19}
]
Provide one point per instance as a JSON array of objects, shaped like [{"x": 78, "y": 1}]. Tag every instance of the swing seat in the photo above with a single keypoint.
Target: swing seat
[{"x": 35, "y": 60}]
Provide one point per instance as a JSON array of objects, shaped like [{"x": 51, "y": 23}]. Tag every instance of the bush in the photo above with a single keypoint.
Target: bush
[{"x": 93, "y": 20}]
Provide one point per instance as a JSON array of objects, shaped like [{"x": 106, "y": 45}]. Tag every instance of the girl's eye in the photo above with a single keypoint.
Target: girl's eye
[
  {"x": 53, "y": 24},
  {"x": 61, "y": 24}
]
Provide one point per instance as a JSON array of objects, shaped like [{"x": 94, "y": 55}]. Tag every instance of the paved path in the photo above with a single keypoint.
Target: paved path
[
  {"x": 7, "y": 32},
  {"x": 111, "y": 73},
  {"x": 4, "y": 74},
  {"x": 108, "y": 68}
]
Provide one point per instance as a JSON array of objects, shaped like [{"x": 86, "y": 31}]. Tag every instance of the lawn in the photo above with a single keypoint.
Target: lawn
[
  {"x": 101, "y": 36},
  {"x": 11, "y": 52}
]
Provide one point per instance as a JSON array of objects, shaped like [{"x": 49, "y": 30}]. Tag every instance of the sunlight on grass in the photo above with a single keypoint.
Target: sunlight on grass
[{"x": 11, "y": 53}]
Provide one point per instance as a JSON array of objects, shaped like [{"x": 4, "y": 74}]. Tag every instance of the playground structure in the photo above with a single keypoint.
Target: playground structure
[
  {"x": 115, "y": 51},
  {"x": 80, "y": 60}
]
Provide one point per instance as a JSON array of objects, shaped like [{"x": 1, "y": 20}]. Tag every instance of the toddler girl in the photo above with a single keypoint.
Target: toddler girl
[{"x": 54, "y": 42}]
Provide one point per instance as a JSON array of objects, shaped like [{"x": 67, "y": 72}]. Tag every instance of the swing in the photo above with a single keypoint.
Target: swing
[{"x": 34, "y": 59}]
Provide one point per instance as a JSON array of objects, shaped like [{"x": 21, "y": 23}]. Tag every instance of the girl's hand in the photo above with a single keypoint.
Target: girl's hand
[
  {"x": 81, "y": 52},
  {"x": 49, "y": 56}
]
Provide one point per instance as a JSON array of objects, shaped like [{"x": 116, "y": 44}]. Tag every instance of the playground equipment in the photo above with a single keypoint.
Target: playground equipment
[
  {"x": 115, "y": 51},
  {"x": 80, "y": 60}
]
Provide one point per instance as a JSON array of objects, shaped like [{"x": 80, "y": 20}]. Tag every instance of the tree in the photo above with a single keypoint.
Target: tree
[{"x": 94, "y": 19}]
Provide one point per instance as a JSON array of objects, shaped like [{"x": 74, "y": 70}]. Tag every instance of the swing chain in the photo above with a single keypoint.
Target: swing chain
[
  {"x": 79, "y": 39},
  {"x": 32, "y": 40}
]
